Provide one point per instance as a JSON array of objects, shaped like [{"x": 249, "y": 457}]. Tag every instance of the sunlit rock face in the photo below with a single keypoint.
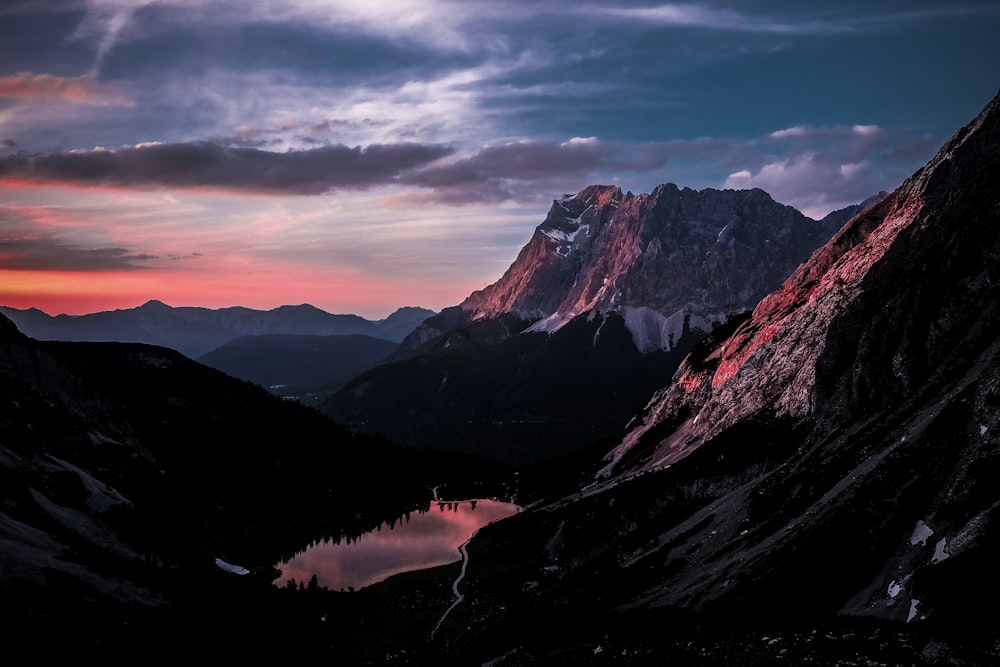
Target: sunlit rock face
[
  {"x": 664, "y": 260},
  {"x": 875, "y": 313},
  {"x": 842, "y": 439}
]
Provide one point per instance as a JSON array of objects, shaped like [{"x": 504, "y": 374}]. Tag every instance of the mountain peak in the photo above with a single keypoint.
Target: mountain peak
[
  {"x": 299, "y": 308},
  {"x": 662, "y": 260},
  {"x": 599, "y": 195}
]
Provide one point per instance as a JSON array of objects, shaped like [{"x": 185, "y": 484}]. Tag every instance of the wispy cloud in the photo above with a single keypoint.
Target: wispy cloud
[
  {"x": 435, "y": 23},
  {"x": 699, "y": 15},
  {"x": 106, "y": 20},
  {"x": 702, "y": 16}
]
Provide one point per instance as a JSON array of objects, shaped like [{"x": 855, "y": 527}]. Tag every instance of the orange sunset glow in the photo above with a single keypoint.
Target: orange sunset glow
[{"x": 404, "y": 159}]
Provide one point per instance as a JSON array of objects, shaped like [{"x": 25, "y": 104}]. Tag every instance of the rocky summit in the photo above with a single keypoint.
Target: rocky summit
[{"x": 664, "y": 261}]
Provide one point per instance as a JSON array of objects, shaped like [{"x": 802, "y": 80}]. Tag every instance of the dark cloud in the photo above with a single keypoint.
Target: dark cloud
[
  {"x": 315, "y": 133},
  {"x": 48, "y": 254},
  {"x": 209, "y": 165},
  {"x": 530, "y": 169},
  {"x": 811, "y": 168}
]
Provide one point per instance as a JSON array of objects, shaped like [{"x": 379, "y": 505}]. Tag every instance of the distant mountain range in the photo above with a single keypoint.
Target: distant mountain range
[{"x": 196, "y": 331}]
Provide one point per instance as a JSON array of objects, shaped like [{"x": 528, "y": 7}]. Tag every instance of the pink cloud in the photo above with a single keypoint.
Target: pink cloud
[{"x": 51, "y": 88}]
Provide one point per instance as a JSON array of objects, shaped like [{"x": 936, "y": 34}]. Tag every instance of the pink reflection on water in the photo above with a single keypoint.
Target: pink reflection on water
[{"x": 428, "y": 539}]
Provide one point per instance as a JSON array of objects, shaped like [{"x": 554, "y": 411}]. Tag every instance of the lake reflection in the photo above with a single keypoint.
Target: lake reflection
[{"x": 427, "y": 539}]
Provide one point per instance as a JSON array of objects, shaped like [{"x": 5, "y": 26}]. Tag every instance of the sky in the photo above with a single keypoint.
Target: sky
[{"x": 363, "y": 155}]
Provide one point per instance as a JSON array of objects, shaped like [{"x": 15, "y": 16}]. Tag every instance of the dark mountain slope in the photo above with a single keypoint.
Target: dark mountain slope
[
  {"x": 823, "y": 470},
  {"x": 523, "y": 399},
  {"x": 296, "y": 365},
  {"x": 402, "y": 322},
  {"x": 127, "y": 469}
]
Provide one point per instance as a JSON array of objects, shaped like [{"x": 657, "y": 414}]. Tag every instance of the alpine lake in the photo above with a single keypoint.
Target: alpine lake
[{"x": 416, "y": 541}]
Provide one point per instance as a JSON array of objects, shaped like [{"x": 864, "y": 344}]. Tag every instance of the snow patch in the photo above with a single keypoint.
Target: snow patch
[
  {"x": 229, "y": 567},
  {"x": 920, "y": 534},
  {"x": 597, "y": 334},
  {"x": 939, "y": 551},
  {"x": 97, "y": 438},
  {"x": 566, "y": 237},
  {"x": 652, "y": 330},
  {"x": 551, "y": 324},
  {"x": 914, "y": 603},
  {"x": 983, "y": 429},
  {"x": 894, "y": 589}
]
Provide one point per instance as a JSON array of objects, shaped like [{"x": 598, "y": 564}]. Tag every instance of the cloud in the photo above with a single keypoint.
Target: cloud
[
  {"x": 105, "y": 21},
  {"x": 791, "y": 132},
  {"x": 815, "y": 184},
  {"x": 48, "y": 254},
  {"x": 205, "y": 165},
  {"x": 49, "y": 238},
  {"x": 530, "y": 169},
  {"x": 697, "y": 15},
  {"x": 821, "y": 169},
  {"x": 815, "y": 169},
  {"x": 436, "y": 23},
  {"x": 701, "y": 16},
  {"x": 51, "y": 88}
]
